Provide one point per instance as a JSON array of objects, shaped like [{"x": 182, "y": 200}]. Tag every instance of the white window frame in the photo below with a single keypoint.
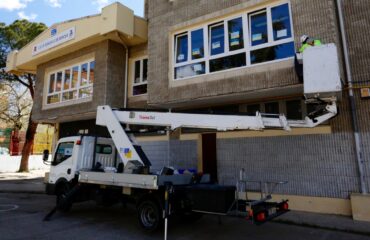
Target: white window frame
[
  {"x": 78, "y": 86},
  {"x": 247, "y": 48},
  {"x": 141, "y": 82}
]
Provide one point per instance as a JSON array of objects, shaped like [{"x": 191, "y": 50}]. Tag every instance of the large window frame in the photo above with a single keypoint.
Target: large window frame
[
  {"x": 77, "y": 90},
  {"x": 247, "y": 48},
  {"x": 142, "y": 81}
]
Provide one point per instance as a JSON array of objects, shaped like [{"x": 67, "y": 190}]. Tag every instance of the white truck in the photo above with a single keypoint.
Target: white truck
[{"x": 112, "y": 170}]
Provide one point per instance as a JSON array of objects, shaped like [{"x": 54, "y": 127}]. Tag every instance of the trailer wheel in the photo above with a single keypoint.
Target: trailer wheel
[
  {"x": 149, "y": 213},
  {"x": 61, "y": 192}
]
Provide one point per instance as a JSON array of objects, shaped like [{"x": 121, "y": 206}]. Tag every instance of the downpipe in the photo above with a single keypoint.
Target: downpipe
[
  {"x": 126, "y": 70},
  {"x": 356, "y": 132}
]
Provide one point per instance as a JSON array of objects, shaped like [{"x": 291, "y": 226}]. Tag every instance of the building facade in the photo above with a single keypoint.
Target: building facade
[{"x": 216, "y": 56}]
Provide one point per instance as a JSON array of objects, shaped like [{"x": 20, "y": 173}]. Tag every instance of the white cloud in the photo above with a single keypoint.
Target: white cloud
[
  {"x": 54, "y": 3},
  {"x": 101, "y": 3},
  {"x": 11, "y": 5},
  {"x": 30, "y": 17}
]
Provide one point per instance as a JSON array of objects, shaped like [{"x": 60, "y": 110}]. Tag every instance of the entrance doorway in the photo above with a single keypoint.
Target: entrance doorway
[{"x": 209, "y": 155}]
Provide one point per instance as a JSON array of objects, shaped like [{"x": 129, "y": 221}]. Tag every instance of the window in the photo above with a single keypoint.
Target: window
[
  {"x": 182, "y": 48},
  {"x": 140, "y": 77},
  {"x": 258, "y": 28},
  {"x": 217, "y": 43},
  {"x": 272, "y": 53},
  {"x": 281, "y": 22},
  {"x": 197, "y": 44},
  {"x": 250, "y": 38},
  {"x": 64, "y": 151},
  {"x": 294, "y": 110},
  {"x": 253, "y": 109},
  {"x": 272, "y": 108},
  {"x": 103, "y": 149},
  {"x": 71, "y": 83},
  {"x": 227, "y": 62},
  {"x": 236, "y": 38}
]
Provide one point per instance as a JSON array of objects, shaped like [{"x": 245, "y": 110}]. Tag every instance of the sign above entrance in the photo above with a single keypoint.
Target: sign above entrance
[{"x": 54, "y": 41}]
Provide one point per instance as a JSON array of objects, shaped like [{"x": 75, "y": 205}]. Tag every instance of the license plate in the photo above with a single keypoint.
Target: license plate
[{"x": 272, "y": 211}]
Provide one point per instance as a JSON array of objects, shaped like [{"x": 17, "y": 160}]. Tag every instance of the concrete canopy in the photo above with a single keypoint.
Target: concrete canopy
[{"x": 116, "y": 22}]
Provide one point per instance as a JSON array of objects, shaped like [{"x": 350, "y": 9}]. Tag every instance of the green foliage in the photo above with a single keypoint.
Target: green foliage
[{"x": 16, "y": 35}]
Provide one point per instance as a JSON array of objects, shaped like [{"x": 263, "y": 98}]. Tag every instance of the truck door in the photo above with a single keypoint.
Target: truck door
[{"x": 62, "y": 163}]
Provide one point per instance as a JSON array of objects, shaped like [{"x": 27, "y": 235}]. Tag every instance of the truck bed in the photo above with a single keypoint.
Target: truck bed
[{"x": 143, "y": 181}]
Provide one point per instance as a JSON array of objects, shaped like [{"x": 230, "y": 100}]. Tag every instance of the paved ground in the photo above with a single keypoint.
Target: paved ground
[
  {"x": 21, "y": 217},
  {"x": 31, "y": 182}
]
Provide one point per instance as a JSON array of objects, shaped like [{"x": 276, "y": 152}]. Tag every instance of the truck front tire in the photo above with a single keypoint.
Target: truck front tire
[
  {"x": 150, "y": 215},
  {"x": 61, "y": 193}
]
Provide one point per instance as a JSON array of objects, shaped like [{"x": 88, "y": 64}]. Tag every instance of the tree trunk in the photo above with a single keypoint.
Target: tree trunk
[{"x": 27, "y": 148}]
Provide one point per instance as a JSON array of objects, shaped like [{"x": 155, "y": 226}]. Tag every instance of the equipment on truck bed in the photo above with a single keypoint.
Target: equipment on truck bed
[{"x": 115, "y": 169}]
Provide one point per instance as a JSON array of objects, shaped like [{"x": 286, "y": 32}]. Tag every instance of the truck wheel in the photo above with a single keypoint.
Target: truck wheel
[
  {"x": 62, "y": 204},
  {"x": 149, "y": 213}
]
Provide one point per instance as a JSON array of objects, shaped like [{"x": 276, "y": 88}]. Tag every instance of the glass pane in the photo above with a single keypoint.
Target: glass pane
[
  {"x": 53, "y": 99},
  {"x": 190, "y": 70},
  {"x": 69, "y": 95},
  {"x": 74, "y": 76},
  {"x": 229, "y": 62},
  {"x": 197, "y": 44},
  {"x": 236, "y": 39},
  {"x": 140, "y": 89},
  {"x": 294, "y": 109},
  {"x": 252, "y": 109},
  {"x": 67, "y": 79},
  {"x": 182, "y": 49},
  {"x": 259, "y": 28},
  {"x": 217, "y": 39},
  {"x": 58, "y": 86},
  {"x": 63, "y": 152},
  {"x": 273, "y": 53},
  {"x": 85, "y": 92},
  {"x": 272, "y": 108},
  {"x": 92, "y": 72},
  {"x": 145, "y": 70},
  {"x": 84, "y": 80},
  {"x": 52, "y": 83},
  {"x": 281, "y": 22},
  {"x": 137, "y": 72},
  {"x": 103, "y": 149}
]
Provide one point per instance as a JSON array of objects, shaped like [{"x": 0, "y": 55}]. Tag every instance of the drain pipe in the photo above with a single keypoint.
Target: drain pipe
[
  {"x": 126, "y": 71},
  {"x": 358, "y": 141}
]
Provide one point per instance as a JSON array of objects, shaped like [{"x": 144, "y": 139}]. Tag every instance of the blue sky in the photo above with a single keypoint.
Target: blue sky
[{"x": 54, "y": 11}]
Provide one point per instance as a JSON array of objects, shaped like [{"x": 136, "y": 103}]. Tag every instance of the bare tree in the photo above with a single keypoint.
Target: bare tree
[{"x": 15, "y": 105}]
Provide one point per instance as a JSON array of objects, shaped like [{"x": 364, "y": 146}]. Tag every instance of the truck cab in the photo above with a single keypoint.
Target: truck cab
[{"x": 73, "y": 154}]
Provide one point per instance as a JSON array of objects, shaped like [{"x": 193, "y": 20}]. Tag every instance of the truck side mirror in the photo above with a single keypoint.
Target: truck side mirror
[{"x": 45, "y": 155}]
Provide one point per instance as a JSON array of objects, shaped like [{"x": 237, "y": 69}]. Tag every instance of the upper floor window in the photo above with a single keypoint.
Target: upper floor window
[
  {"x": 140, "y": 82},
  {"x": 244, "y": 40},
  {"x": 71, "y": 83}
]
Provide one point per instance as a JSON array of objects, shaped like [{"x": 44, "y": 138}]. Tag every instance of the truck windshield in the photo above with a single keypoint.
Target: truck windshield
[{"x": 64, "y": 151}]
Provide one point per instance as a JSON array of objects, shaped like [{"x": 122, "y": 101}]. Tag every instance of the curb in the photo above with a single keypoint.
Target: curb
[{"x": 303, "y": 224}]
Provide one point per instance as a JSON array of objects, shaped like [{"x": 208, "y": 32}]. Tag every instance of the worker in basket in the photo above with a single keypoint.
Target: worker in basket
[{"x": 306, "y": 42}]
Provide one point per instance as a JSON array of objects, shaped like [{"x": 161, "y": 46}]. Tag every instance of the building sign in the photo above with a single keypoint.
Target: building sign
[{"x": 54, "y": 41}]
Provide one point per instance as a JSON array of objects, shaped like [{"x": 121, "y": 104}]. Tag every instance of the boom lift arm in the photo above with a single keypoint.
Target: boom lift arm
[{"x": 112, "y": 119}]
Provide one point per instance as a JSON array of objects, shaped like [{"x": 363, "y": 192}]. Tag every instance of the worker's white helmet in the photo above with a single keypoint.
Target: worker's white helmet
[{"x": 304, "y": 38}]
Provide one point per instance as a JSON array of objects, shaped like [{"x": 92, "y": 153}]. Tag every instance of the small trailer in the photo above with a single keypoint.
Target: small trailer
[{"x": 116, "y": 169}]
